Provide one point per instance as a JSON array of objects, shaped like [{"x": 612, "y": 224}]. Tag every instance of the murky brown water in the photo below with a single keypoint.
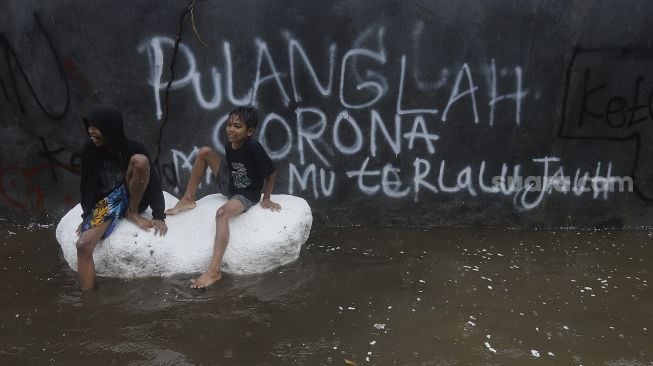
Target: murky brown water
[{"x": 367, "y": 295}]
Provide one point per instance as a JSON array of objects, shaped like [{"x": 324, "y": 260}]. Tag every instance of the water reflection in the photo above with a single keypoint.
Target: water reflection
[{"x": 366, "y": 295}]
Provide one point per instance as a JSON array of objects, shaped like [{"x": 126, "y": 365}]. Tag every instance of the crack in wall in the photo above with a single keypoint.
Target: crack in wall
[
  {"x": 166, "y": 99},
  {"x": 10, "y": 54}
]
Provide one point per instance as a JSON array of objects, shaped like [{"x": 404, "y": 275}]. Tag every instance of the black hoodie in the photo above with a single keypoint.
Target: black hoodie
[{"x": 108, "y": 119}]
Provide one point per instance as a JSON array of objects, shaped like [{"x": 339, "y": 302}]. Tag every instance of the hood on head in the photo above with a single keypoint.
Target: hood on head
[{"x": 108, "y": 119}]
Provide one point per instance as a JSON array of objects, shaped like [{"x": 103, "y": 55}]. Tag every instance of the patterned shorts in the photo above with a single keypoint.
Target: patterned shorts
[{"x": 112, "y": 207}]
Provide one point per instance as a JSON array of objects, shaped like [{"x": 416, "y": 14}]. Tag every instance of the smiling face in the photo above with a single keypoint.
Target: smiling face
[
  {"x": 238, "y": 132},
  {"x": 96, "y": 135}
]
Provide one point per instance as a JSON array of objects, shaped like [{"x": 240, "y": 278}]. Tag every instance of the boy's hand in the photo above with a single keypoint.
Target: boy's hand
[
  {"x": 266, "y": 203},
  {"x": 160, "y": 227},
  {"x": 79, "y": 229}
]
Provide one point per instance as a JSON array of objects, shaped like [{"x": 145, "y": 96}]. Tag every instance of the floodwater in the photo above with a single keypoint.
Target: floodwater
[{"x": 356, "y": 296}]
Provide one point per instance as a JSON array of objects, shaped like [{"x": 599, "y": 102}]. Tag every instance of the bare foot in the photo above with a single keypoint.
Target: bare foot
[
  {"x": 206, "y": 279},
  {"x": 138, "y": 220},
  {"x": 184, "y": 204}
]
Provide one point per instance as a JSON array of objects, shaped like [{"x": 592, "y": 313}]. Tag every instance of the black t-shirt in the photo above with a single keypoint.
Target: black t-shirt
[
  {"x": 112, "y": 171},
  {"x": 248, "y": 167}
]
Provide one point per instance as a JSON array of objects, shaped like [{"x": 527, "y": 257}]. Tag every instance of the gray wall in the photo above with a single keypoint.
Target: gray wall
[{"x": 376, "y": 112}]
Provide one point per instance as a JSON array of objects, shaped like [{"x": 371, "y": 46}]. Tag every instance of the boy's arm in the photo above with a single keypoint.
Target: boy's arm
[
  {"x": 269, "y": 184},
  {"x": 154, "y": 195},
  {"x": 85, "y": 196},
  {"x": 267, "y": 191}
]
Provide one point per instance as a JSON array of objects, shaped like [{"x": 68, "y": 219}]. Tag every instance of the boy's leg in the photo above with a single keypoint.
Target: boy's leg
[
  {"x": 85, "y": 246},
  {"x": 137, "y": 178},
  {"x": 205, "y": 157},
  {"x": 230, "y": 209}
]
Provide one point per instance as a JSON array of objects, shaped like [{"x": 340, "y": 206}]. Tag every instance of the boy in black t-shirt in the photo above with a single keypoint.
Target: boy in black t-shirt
[{"x": 250, "y": 171}]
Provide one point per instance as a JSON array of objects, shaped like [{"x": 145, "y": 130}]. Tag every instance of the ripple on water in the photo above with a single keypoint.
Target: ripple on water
[{"x": 411, "y": 294}]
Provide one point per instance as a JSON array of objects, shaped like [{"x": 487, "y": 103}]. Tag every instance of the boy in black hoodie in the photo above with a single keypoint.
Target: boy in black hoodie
[{"x": 116, "y": 182}]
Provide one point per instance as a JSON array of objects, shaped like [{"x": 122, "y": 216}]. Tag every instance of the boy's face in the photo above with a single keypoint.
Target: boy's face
[
  {"x": 237, "y": 131},
  {"x": 96, "y": 135}
]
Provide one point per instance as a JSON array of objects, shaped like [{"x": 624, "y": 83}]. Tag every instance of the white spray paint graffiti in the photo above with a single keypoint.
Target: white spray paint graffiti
[
  {"x": 358, "y": 45},
  {"x": 310, "y": 175},
  {"x": 294, "y": 47},
  {"x": 154, "y": 50},
  {"x": 374, "y": 86},
  {"x": 264, "y": 53},
  {"x": 518, "y": 96},
  {"x": 320, "y": 140},
  {"x": 186, "y": 161},
  {"x": 422, "y": 85}
]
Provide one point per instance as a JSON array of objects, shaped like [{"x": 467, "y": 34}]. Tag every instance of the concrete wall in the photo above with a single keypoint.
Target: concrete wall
[{"x": 377, "y": 112}]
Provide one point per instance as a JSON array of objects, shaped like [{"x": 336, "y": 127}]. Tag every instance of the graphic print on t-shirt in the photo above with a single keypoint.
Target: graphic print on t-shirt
[{"x": 239, "y": 175}]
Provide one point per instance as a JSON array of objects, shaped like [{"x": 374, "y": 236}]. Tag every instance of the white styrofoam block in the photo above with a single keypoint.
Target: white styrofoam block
[{"x": 260, "y": 240}]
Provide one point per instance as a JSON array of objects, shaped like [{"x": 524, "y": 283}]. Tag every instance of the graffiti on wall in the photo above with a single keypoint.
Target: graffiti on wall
[
  {"x": 315, "y": 141},
  {"x": 24, "y": 186},
  {"x": 614, "y": 89},
  {"x": 16, "y": 73}
]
